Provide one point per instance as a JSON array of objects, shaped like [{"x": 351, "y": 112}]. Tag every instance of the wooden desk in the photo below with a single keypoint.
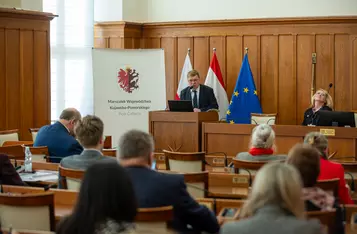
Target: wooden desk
[{"x": 235, "y": 138}]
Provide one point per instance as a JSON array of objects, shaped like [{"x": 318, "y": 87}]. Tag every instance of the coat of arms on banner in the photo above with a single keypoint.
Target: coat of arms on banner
[{"x": 128, "y": 79}]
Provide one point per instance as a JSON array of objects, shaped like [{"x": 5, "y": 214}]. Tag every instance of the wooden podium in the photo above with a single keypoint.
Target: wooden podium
[{"x": 178, "y": 131}]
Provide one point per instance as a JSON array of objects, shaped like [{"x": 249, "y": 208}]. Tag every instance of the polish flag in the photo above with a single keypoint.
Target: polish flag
[
  {"x": 187, "y": 66},
  {"x": 214, "y": 80}
]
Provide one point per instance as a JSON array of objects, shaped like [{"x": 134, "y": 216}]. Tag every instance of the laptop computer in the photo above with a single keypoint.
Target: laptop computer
[{"x": 180, "y": 105}]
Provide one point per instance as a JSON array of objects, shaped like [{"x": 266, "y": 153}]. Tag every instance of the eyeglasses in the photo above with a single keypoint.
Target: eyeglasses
[{"x": 192, "y": 80}]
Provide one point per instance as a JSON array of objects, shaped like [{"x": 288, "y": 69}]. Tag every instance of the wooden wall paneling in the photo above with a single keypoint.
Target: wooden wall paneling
[
  {"x": 305, "y": 48},
  {"x": 325, "y": 62},
  {"x": 26, "y": 82},
  {"x": 201, "y": 56},
  {"x": 269, "y": 62},
  {"x": 12, "y": 68},
  {"x": 220, "y": 44},
  {"x": 153, "y": 43},
  {"x": 287, "y": 80},
  {"x": 353, "y": 67},
  {"x": 42, "y": 96},
  {"x": 136, "y": 43},
  {"x": 251, "y": 42},
  {"x": 342, "y": 73},
  {"x": 2, "y": 78},
  {"x": 116, "y": 42},
  {"x": 234, "y": 60},
  {"x": 183, "y": 44},
  {"x": 101, "y": 43},
  {"x": 169, "y": 44}
]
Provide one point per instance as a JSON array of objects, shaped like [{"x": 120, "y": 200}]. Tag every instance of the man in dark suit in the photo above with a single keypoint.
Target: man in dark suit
[
  {"x": 202, "y": 96},
  {"x": 59, "y": 137},
  {"x": 154, "y": 189},
  {"x": 89, "y": 132},
  {"x": 8, "y": 174}
]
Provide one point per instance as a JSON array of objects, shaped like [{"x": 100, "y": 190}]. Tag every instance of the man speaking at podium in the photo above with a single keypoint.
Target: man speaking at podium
[{"x": 202, "y": 96}]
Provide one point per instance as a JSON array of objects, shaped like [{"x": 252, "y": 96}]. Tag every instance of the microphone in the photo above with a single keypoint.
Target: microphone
[
  {"x": 48, "y": 187},
  {"x": 329, "y": 87},
  {"x": 222, "y": 153},
  {"x": 207, "y": 192}
]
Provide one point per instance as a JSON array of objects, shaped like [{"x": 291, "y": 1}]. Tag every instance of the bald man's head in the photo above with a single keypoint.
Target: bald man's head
[{"x": 69, "y": 117}]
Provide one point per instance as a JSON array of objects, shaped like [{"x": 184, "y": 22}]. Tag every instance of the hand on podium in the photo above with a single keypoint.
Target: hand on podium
[{"x": 196, "y": 110}]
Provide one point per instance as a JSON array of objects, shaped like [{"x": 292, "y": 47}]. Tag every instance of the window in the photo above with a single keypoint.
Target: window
[{"x": 71, "y": 59}]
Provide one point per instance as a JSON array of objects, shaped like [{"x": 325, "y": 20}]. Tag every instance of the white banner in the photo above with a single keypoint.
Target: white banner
[{"x": 127, "y": 85}]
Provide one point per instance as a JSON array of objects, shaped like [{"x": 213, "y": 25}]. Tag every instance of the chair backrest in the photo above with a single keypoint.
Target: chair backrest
[
  {"x": 329, "y": 185},
  {"x": 109, "y": 152},
  {"x": 249, "y": 165},
  {"x": 33, "y": 132},
  {"x": 28, "y": 211},
  {"x": 326, "y": 218},
  {"x": 10, "y": 143},
  {"x": 154, "y": 220},
  {"x": 13, "y": 151},
  {"x": 39, "y": 153},
  {"x": 185, "y": 161},
  {"x": 70, "y": 179},
  {"x": 257, "y": 119},
  {"x": 197, "y": 184},
  {"x": 9, "y": 135}
]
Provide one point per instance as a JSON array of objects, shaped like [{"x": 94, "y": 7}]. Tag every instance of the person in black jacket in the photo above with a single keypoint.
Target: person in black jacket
[
  {"x": 202, "y": 96},
  {"x": 155, "y": 189},
  {"x": 8, "y": 174},
  {"x": 321, "y": 100},
  {"x": 306, "y": 159}
]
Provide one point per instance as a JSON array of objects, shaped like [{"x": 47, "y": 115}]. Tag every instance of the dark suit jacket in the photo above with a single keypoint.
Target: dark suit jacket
[
  {"x": 310, "y": 116},
  {"x": 207, "y": 99},
  {"x": 8, "y": 174},
  {"x": 154, "y": 189},
  {"x": 58, "y": 140}
]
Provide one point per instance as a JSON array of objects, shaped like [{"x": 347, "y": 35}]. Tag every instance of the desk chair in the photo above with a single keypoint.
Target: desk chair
[
  {"x": 14, "y": 152},
  {"x": 11, "y": 143},
  {"x": 9, "y": 135},
  {"x": 257, "y": 119},
  {"x": 154, "y": 220},
  {"x": 329, "y": 185},
  {"x": 185, "y": 161},
  {"x": 33, "y": 132},
  {"x": 28, "y": 211},
  {"x": 70, "y": 179},
  {"x": 39, "y": 154},
  {"x": 326, "y": 218},
  {"x": 108, "y": 142}
]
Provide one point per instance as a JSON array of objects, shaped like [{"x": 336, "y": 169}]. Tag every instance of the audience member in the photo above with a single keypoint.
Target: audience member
[
  {"x": 328, "y": 169},
  {"x": 261, "y": 145},
  {"x": 89, "y": 132},
  {"x": 306, "y": 159},
  {"x": 8, "y": 174},
  {"x": 59, "y": 137},
  {"x": 106, "y": 202},
  {"x": 274, "y": 205},
  {"x": 155, "y": 189}
]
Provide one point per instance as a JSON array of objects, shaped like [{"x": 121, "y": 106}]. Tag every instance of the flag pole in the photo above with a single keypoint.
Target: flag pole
[
  {"x": 188, "y": 51},
  {"x": 246, "y": 50},
  {"x": 214, "y": 50}
]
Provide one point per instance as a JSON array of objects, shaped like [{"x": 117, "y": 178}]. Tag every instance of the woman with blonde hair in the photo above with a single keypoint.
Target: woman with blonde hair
[
  {"x": 262, "y": 145},
  {"x": 274, "y": 205},
  {"x": 321, "y": 100}
]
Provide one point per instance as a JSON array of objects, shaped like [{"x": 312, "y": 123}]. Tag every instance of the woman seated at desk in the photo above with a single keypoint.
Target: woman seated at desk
[
  {"x": 262, "y": 145},
  {"x": 321, "y": 100}
]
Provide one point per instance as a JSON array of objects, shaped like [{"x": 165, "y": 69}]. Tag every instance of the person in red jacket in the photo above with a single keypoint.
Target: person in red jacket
[{"x": 328, "y": 169}]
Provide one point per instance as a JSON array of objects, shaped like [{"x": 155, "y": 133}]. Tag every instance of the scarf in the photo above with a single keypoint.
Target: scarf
[{"x": 260, "y": 151}]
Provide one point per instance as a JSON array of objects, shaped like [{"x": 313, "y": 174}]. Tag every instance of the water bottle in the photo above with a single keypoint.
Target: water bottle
[{"x": 28, "y": 160}]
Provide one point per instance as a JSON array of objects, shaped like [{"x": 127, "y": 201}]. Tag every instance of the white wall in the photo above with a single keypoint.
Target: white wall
[
  {"x": 34, "y": 5},
  {"x": 108, "y": 10},
  {"x": 135, "y": 10},
  {"x": 186, "y": 10},
  {"x": 10, "y": 3}
]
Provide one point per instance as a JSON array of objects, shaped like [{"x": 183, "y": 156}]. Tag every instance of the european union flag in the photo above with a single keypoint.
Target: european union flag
[{"x": 244, "y": 99}]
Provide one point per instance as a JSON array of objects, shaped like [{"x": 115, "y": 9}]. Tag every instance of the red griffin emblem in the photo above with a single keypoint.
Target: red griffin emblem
[{"x": 128, "y": 79}]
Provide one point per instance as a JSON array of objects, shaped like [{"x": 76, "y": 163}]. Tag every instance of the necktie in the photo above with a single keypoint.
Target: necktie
[{"x": 195, "y": 104}]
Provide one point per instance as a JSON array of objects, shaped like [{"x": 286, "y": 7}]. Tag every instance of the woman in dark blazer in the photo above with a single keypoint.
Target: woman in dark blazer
[{"x": 321, "y": 100}]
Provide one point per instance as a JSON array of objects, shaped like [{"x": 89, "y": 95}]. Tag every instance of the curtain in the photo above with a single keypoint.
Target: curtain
[{"x": 71, "y": 59}]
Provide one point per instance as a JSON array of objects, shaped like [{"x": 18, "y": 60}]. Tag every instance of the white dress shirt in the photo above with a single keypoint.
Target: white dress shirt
[{"x": 198, "y": 96}]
